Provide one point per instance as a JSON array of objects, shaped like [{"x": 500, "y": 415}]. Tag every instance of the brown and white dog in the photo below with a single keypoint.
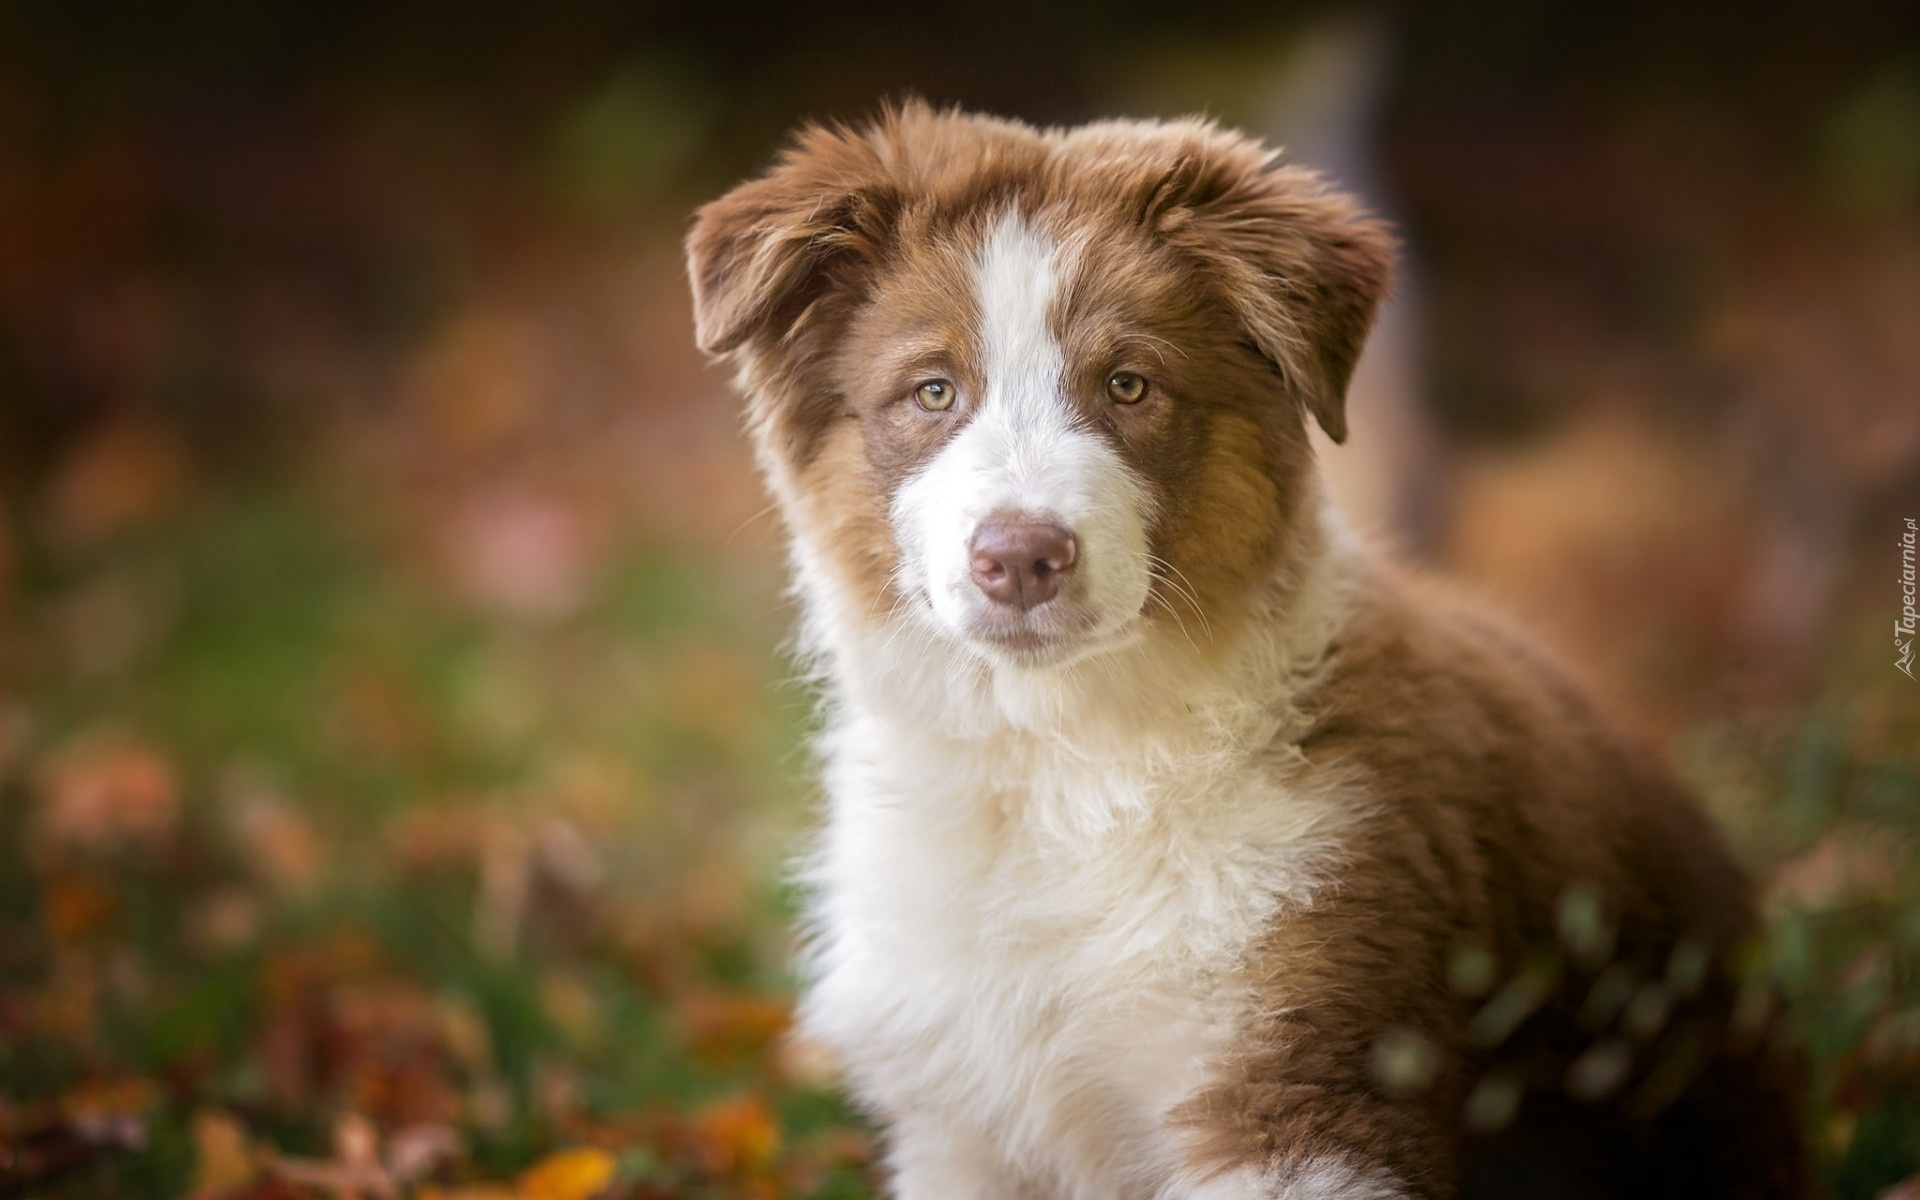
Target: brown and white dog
[{"x": 1176, "y": 846}]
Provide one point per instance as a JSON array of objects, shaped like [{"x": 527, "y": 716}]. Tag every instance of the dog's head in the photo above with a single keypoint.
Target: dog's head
[{"x": 1038, "y": 389}]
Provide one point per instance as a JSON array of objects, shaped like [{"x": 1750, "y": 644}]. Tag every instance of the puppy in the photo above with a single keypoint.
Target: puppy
[{"x": 1175, "y": 845}]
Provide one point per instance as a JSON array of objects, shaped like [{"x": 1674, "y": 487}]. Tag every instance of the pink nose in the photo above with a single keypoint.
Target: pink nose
[{"x": 1019, "y": 561}]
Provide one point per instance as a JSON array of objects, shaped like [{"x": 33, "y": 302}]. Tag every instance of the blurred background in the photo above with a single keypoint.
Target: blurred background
[{"x": 396, "y": 758}]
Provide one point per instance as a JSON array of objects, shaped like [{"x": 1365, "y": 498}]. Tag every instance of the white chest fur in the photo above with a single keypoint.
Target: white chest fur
[
  {"x": 1035, "y": 950},
  {"x": 1033, "y": 892}
]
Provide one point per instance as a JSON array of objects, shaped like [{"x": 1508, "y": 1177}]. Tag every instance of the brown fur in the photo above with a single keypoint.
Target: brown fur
[
  {"x": 1503, "y": 799},
  {"x": 1509, "y": 827}
]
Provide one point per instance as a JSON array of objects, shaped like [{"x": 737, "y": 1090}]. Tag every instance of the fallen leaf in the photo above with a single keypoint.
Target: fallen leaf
[
  {"x": 108, "y": 1099},
  {"x": 277, "y": 839},
  {"x": 470, "y": 1191},
  {"x": 76, "y": 908},
  {"x": 224, "y": 1162},
  {"x": 738, "y": 1136},
  {"x": 722, "y": 1027},
  {"x": 576, "y": 1174},
  {"x": 103, "y": 791},
  {"x": 125, "y": 474}
]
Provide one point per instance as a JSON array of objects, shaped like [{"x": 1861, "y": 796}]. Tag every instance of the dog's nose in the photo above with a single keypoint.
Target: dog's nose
[{"x": 1019, "y": 561}]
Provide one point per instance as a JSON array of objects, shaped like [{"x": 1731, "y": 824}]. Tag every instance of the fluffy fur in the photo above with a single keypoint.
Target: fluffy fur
[{"x": 1244, "y": 867}]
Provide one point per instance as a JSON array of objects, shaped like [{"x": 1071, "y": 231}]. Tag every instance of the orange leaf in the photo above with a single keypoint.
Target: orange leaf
[
  {"x": 109, "y": 1098},
  {"x": 224, "y": 1162},
  {"x": 107, "y": 790},
  {"x": 123, "y": 475},
  {"x": 575, "y": 1174},
  {"x": 722, "y": 1027},
  {"x": 77, "y": 908},
  {"x": 738, "y": 1135}
]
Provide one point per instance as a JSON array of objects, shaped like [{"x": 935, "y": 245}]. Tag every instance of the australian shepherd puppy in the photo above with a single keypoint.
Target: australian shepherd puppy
[{"x": 1176, "y": 846}]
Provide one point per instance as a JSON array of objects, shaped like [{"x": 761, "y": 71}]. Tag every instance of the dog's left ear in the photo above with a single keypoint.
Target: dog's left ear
[{"x": 1303, "y": 265}]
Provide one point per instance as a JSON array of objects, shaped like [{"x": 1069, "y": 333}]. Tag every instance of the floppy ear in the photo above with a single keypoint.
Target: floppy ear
[
  {"x": 764, "y": 256},
  {"x": 1303, "y": 265}
]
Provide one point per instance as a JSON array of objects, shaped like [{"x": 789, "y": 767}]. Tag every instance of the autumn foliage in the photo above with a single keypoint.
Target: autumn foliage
[{"x": 397, "y": 757}]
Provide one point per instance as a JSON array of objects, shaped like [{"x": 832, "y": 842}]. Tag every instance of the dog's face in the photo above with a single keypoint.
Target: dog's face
[{"x": 1037, "y": 391}]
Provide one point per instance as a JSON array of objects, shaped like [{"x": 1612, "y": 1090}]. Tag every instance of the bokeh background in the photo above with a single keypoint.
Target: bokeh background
[{"x": 396, "y": 758}]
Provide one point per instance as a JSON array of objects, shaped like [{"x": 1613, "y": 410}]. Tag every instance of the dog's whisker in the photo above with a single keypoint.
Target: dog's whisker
[{"x": 1176, "y": 580}]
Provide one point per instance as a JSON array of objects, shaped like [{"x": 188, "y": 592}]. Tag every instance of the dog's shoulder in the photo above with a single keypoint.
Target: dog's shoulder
[{"x": 1475, "y": 743}]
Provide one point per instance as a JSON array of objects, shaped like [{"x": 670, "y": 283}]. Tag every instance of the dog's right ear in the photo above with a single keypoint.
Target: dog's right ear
[
  {"x": 766, "y": 257},
  {"x": 1302, "y": 264}
]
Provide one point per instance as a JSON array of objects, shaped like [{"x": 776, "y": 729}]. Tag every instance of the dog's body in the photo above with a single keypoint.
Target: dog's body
[{"x": 1176, "y": 847}]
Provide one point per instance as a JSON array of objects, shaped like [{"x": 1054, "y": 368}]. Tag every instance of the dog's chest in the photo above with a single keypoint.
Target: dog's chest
[{"x": 1043, "y": 951}]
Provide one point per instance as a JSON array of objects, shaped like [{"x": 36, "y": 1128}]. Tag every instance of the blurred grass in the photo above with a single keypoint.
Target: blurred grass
[
  {"x": 317, "y": 837},
  {"x": 1828, "y": 805}
]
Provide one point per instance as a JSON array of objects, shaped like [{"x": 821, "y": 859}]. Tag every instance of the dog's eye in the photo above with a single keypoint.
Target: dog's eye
[
  {"x": 935, "y": 395},
  {"x": 1124, "y": 387}
]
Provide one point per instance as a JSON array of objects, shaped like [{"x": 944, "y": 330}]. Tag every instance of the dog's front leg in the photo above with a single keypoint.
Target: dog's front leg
[
  {"x": 932, "y": 1160},
  {"x": 1325, "y": 1179},
  {"x": 1299, "y": 1112}
]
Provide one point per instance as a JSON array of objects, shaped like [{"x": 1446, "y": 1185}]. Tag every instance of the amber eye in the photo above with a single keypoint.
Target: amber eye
[
  {"x": 1126, "y": 388},
  {"x": 935, "y": 395}
]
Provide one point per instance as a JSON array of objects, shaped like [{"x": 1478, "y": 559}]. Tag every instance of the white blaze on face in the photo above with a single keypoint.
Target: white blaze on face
[{"x": 1023, "y": 452}]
